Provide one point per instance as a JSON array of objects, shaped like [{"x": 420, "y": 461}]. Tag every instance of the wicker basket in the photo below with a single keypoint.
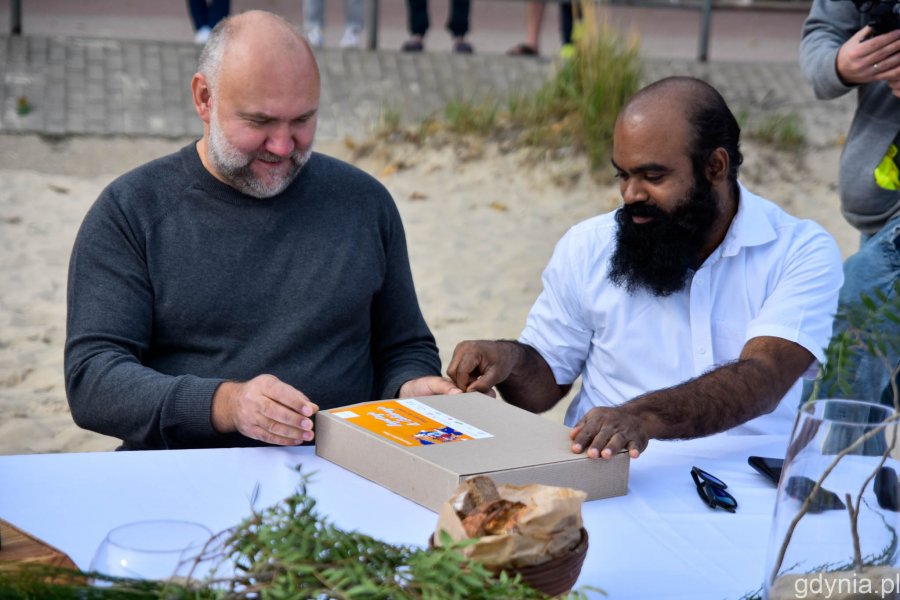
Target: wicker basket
[{"x": 557, "y": 575}]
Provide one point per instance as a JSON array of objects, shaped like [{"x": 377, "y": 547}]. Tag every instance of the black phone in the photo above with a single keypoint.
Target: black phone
[
  {"x": 797, "y": 487},
  {"x": 800, "y": 488},
  {"x": 770, "y": 468},
  {"x": 887, "y": 489}
]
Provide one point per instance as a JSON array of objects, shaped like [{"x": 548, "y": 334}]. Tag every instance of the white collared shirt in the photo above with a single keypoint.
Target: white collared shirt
[{"x": 772, "y": 275}]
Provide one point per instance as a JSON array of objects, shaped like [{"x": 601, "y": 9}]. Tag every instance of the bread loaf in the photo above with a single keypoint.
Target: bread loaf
[
  {"x": 492, "y": 518},
  {"x": 483, "y": 511}
]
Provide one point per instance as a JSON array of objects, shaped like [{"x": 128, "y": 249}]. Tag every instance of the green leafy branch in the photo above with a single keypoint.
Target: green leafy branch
[
  {"x": 871, "y": 328},
  {"x": 290, "y": 551}
]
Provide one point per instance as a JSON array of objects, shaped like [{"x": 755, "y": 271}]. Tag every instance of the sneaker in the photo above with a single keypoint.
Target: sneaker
[
  {"x": 351, "y": 38},
  {"x": 202, "y": 35},
  {"x": 567, "y": 51},
  {"x": 461, "y": 46},
  {"x": 414, "y": 44},
  {"x": 523, "y": 50},
  {"x": 314, "y": 36}
]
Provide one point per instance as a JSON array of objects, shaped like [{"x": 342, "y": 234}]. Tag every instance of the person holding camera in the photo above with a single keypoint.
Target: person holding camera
[{"x": 855, "y": 45}]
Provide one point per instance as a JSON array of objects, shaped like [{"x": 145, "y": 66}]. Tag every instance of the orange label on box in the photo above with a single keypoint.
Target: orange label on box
[{"x": 409, "y": 422}]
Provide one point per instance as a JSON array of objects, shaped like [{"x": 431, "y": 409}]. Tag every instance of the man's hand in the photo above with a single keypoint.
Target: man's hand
[
  {"x": 428, "y": 386},
  {"x": 604, "y": 432},
  {"x": 720, "y": 399},
  {"x": 523, "y": 376},
  {"x": 863, "y": 59},
  {"x": 477, "y": 366},
  {"x": 264, "y": 409}
]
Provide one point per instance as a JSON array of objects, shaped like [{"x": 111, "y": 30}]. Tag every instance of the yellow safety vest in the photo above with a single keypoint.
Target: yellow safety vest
[{"x": 887, "y": 174}]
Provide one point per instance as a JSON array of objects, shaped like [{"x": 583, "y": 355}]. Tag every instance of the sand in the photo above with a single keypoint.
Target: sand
[{"x": 481, "y": 224}]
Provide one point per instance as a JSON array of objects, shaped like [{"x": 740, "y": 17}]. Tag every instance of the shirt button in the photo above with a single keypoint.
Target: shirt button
[{"x": 701, "y": 350}]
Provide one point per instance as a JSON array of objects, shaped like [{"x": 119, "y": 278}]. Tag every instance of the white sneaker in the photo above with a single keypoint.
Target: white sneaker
[
  {"x": 351, "y": 38},
  {"x": 202, "y": 35},
  {"x": 314, "y": 36}
]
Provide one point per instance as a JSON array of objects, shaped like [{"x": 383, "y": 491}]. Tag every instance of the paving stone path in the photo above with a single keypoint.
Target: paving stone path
[{"x": 93, "y": 86}]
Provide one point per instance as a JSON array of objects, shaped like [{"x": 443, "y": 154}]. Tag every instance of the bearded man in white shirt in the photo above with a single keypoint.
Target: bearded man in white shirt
[{"x": 693, "y": 309}]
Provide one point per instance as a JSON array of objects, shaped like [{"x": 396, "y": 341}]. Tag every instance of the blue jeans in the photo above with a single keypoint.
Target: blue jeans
[
  {"x": 875, "y": 267},
  {"x": 314, "y": 14}
]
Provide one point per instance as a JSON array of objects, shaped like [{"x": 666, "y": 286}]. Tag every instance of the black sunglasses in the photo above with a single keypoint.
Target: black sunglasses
[{"x": 712, "y": 490}]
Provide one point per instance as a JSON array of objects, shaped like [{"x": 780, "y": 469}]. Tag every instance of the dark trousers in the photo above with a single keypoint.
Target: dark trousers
[
  {"x": 568, "y": 11},
  {"x": 208, "y": 14},
  {"x": 457, "y": 22}
]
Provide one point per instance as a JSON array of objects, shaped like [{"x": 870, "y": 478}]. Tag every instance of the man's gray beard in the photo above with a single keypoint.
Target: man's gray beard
[{"x": 234, "y": 166}]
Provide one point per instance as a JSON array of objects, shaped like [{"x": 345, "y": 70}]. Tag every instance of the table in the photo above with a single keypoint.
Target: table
[{"x": 658, "y": 541}]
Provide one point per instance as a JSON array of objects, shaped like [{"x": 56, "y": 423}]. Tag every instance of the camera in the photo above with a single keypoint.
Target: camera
[{"x": 883, "y": 15}]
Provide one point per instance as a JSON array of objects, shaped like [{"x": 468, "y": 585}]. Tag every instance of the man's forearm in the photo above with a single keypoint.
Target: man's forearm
[
  {"x": 721, "y": 399},
  {"x": 531, "y": 384}
]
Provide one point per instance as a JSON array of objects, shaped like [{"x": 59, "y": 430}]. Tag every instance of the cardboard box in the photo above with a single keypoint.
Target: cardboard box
[{"x": 424, "y": 448}]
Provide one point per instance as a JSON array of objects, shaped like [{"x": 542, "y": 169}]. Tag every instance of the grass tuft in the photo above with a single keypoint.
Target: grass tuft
[
  {"x": 464, "y": 117},
  {"x": 781, "y": 131},
  {"x": 574, "y": 111},
  {"x": 785, "y": 132},
  {"x": 578, "y": 107}
]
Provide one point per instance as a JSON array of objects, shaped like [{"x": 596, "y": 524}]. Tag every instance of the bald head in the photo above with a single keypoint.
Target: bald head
[
  {"x": 255, "y": 39},
  {"x": 693, "y": 107},
  {"x": 675, "y": 93}
]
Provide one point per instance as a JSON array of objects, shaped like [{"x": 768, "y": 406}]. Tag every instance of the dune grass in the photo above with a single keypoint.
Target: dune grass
[
  {"x": 579, "y": 105},
  {"x": 783, "y": 131},
  {"x": 576, "y": 109}
]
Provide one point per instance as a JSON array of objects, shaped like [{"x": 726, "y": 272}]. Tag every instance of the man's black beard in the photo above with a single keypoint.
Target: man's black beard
[{"x": 659, "y": 255}]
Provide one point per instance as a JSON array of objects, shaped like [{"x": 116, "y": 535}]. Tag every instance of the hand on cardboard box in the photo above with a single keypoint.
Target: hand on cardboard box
[
  {"x": 606, "y": 431},
  {"x": 427, "y": 386}
]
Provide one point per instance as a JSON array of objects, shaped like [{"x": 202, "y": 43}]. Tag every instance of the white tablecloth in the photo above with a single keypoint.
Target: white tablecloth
[{"x": 658, "y": 541}]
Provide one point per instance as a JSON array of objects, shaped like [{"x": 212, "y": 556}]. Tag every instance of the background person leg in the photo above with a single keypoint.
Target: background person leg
[
  {"x": 314, "y": 22},
  {"x": 458, "y": 25},
  {"x": 876, "y": 266},
  {"x": 353, "y": 24},
  {"x": 417, "y": 16}
]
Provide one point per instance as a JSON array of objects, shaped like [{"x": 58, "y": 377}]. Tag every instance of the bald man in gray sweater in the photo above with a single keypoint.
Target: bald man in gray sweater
[{"x": 221, "y": 295}]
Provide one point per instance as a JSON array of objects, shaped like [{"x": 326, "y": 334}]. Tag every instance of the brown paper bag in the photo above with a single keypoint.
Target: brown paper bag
[{"x": 548, "y": 526}]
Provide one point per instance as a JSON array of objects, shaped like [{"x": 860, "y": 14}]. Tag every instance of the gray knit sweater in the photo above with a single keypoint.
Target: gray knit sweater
[
  {"x": 178, "y": 282},
  {"x": 875, "y": 124}
]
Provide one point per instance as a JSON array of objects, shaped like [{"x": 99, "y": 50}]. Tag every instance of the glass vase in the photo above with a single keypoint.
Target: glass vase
[
  {"x": 153, "y": 550},
  {"x": 836, "y": 521}
]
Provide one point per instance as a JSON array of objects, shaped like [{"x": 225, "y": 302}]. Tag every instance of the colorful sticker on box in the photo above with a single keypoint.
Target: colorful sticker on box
[{"x": 409, "y": 422}]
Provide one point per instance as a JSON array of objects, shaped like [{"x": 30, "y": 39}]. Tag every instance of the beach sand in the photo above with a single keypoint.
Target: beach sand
[{"x": 481, "y": 223}]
